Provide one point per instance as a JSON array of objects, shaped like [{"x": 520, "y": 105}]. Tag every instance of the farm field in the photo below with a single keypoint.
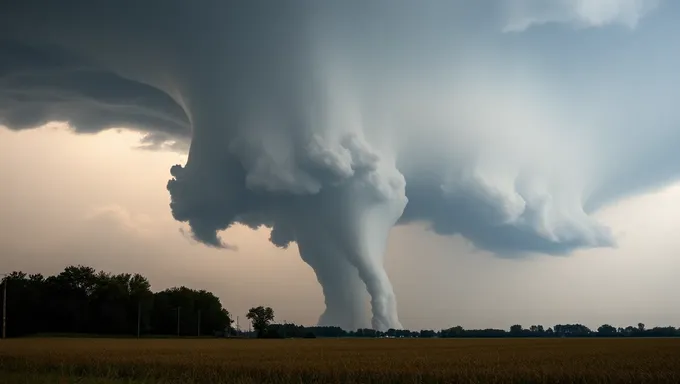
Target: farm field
[{"x": 114, "y": 361}]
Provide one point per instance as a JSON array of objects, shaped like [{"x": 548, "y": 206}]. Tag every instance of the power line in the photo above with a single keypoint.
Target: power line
[
  {"x": 139, "y": 317},
  {"x": 4, "y": 304},
  {"x": 178, "y": 312}
]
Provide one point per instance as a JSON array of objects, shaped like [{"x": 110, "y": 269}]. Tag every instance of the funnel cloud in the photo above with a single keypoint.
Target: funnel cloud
[{"x": 506, "y": 122}]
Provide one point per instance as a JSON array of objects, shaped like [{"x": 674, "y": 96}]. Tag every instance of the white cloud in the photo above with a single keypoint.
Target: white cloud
[
  {"x": 523, "y": 14},
  {"x": 116, "y": 216}
]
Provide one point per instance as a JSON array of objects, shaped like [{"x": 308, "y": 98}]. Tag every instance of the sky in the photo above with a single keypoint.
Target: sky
[
  {"x": 449, "y": 162},
  {"x": 99, "y": 201}
]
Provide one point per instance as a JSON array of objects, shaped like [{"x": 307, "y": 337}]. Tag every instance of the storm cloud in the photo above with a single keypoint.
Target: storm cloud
[{"x": 506, "y": 122}]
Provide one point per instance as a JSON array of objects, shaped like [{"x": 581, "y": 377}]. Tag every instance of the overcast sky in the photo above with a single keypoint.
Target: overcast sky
[
  {"x": 95, "y": 200},
  {"x": 525, "y": 149}
]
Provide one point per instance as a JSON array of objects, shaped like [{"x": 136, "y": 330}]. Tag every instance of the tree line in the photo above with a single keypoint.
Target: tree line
[
  {"x": 262, "y": 319},
  {"x": 80, "y": 300},
  {"x": 560, "y": 330}
]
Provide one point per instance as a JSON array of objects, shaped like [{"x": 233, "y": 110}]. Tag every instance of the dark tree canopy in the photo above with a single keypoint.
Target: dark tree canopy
[
  {"x": 81, "y": 300},
  {"x": 261, "y": 317}
]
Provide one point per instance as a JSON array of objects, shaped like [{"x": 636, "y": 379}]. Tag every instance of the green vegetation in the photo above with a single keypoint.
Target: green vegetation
[
  {"x": 261, "y": 318},
  {"x": 215, "y": 361},
  {"x": 80, "y": 301}
]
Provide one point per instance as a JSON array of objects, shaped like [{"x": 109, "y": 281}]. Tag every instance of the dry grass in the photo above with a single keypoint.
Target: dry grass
[{"x": 114, "y": 361}]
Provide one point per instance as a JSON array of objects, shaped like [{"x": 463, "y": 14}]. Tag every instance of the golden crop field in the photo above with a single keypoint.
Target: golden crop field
[{"x": 340, "y": 361}]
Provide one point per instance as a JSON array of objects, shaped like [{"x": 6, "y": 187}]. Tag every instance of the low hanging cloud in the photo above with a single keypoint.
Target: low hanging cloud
[{"x": 330, "y": 122}]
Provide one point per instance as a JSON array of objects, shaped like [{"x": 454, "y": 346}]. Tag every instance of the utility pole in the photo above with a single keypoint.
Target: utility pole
[
  {"x": 5, "y": 280},
  {"x": 139, "y": 318},
  {"x": 178, "y": 311},
  {"x": 238, "y": 328},
  {"x": 199, "y": 323}
]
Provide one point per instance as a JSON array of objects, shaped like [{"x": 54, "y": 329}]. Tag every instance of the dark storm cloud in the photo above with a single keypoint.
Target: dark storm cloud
[
  {"x": 329, "y": 122},
  {"x": 38, "y": 86}
]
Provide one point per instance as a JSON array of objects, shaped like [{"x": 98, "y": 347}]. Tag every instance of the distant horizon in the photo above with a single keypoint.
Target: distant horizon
[
  {"x": 382, "y": 165},
  {"x": 278, "y": 321}
]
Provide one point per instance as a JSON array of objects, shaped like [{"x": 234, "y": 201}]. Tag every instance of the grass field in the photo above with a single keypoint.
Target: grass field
[{"x": 114, "y": 361}]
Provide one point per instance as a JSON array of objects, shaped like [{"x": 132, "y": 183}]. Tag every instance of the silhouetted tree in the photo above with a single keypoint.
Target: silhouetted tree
[
  {"x": 536, "y": 331},
  {"x": 427, "y": 333},
  {"x": 606, "y": 330},
  {"x": 456, "y": 331},
  {"x": 188, "y": 306},
  {"x": 261, "y": 317},
  {"x": 516, "y": 330},
  {"x": 81, "y": 300}
]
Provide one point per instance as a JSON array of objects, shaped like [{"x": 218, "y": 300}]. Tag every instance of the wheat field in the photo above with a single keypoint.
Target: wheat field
[{"x": 114, "y": 361}]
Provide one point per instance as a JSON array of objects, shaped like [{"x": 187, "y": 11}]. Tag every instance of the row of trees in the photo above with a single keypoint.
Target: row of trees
[
  {"x": 262, "y": 319},
  {"x": 566, "y": 330},
  {"x": 81, "y": 300}
]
